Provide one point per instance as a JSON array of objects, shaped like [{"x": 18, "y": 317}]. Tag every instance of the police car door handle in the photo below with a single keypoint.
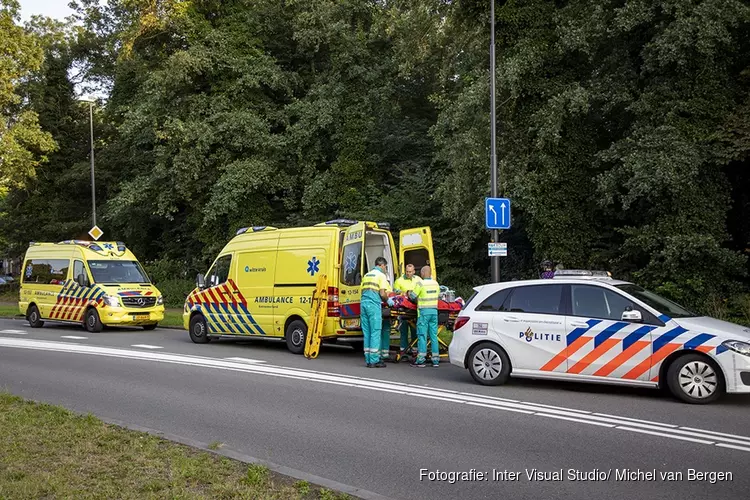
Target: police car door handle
[
  {"x": 578, "y": 324},
  {"x": 511, "y": 318}
]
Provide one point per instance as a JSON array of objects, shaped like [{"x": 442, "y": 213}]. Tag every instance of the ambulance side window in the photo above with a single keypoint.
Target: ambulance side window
[
  {"x": 220, "y": 271},
  {"x": 351, "y": 263},
  {"x": 79, "y": 269},
  {"x": 46, "y": 271}
]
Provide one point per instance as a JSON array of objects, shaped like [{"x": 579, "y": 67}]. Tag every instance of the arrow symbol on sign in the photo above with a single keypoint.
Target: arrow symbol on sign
[
  {"x": 502, "y": 209},
  {"x": 492, "y": 209}
]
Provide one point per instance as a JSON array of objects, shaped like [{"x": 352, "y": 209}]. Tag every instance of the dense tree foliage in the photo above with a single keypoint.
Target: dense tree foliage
[{"x": 623, "y": 134}]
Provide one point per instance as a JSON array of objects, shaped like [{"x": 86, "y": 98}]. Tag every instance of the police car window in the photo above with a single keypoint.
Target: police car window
[
  {"x": 351, "y": 264},
  {"x": 597, "y": 302},
  {"x": 46, "y": 271},
  {"x": 220, "y": 271},
  {"x": 494, "y": 302},
  {"x": 539, "y": 299}
]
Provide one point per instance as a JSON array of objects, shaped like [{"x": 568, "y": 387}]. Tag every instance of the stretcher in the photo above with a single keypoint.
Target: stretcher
[{"x": 406, "y": 310}]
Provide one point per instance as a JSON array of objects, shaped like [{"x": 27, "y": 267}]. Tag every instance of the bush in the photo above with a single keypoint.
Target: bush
[{"x": 175, "y": 291}]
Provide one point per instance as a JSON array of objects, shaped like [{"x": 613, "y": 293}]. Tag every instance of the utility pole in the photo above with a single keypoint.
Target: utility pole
[
  {"x": 494, "y": 261},
  {"x": 93, "y": 188}
]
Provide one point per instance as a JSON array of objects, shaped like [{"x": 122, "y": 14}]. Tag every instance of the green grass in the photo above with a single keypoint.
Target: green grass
[
  {"x": 49, "y": 452},
  {"x": 172, "y": 317}
]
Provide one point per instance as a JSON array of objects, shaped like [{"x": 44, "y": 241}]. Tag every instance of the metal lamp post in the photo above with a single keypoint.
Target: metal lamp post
[
  {"x": 93, "y": 185},
  {"x": 494, "y": 261}
]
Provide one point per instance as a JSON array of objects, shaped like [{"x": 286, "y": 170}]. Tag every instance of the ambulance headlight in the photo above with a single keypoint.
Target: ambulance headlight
[
  {"x": 737, "y": 346},
  {"x": 112, "y": 301},
  {"x": 159, "y": 300}
]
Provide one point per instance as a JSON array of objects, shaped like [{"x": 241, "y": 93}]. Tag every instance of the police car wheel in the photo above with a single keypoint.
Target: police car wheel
[
  {"x": 34, "y": 318},
  {"x": 295, "y": 336},
  {"x": 489, "y": 364},
  {"x": 92, "y": 322},
  {"x": 199, "y": 329},
  {"x": 696, "y": 379}
]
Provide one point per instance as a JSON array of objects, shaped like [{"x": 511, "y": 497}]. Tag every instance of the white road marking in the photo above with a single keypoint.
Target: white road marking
[
  {"x": 643, "y": 431},
  {"x": 664, "y": 430},
  {"x": 15, "y": 332},
  {"x": 246, "y": 360},
  {"x": 74, "y": 337},
  {"x": 146, "y": 346},
  {"x": 576, "y": 420}
]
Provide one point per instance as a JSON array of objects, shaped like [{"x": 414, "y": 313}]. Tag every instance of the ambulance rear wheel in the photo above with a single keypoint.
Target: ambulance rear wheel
[
  {"x": 295, "y": 335},
  {"x": 34, "y": 318},
  {"x": 199, "y": 329},
  {"x": 92, "y": 322}
]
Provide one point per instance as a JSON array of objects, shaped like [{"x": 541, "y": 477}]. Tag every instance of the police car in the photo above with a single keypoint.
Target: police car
[{"x": 585, "y": 326}]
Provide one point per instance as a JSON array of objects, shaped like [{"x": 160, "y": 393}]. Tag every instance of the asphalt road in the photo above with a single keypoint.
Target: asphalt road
[{"x": 378, "y": 429}]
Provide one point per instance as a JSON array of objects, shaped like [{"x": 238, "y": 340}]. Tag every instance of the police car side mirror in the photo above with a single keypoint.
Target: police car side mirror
[
  {"x": 632, "y": 316},
  {"x": 200, "y": 281},
  {"x": 82, "y": 280}
]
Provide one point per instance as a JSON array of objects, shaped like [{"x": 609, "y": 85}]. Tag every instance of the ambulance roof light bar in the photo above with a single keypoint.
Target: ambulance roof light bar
[
  {"x": 254, "y": 229},
  {"x": 339, "y": 222}
]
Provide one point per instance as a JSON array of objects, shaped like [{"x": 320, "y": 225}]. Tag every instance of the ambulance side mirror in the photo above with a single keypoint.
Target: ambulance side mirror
[
  {"x": 82, "y": 280},
  {"x": 200, "y": 281}
]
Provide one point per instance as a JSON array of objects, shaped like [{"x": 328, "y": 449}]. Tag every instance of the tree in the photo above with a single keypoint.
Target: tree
[{"x": 23, "y": 145}]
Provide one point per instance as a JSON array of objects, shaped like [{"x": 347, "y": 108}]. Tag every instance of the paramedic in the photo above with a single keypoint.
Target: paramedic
[
  {"x": 426, "y": 294},
  {"x": 403, "y": 285},
  {"x": 374, "y": 290}
]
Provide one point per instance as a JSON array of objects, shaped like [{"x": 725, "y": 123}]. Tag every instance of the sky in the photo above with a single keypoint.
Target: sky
[{"x": 52, "y": 8}]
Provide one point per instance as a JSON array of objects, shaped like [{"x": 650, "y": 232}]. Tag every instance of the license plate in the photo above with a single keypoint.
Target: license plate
[
  {"x": 141, "y": 317},
  {"x": 351, "y": 323}
]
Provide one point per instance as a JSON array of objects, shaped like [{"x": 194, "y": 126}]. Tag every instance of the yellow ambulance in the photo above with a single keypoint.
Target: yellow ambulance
[
  {"x": 261, "y": 283},
  {"x": 89, "y": 283}
]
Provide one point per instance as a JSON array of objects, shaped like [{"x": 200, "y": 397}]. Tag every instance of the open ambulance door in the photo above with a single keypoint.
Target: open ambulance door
[
  {"x": 351, "y": 273},
  {"x": 415, "y": 247}
]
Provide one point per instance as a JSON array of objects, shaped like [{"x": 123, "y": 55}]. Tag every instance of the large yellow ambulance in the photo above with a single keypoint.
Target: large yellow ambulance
[
  {"x": 261, "y": 283},
  {"x": 89, "y": 283}
]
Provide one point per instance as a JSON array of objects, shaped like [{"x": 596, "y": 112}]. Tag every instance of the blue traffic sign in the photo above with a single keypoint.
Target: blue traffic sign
[{"x": 497, "y": 213}]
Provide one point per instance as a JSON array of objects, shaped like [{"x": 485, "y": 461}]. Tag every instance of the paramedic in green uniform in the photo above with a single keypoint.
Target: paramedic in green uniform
[
  {"x": 403, "y": 285},
  {"x": 374, "y": 290},
  {"x": 426, "y": 294}
]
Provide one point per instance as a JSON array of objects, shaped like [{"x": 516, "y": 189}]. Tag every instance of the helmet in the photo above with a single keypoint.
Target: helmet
[{"x": 546, "y": 264}]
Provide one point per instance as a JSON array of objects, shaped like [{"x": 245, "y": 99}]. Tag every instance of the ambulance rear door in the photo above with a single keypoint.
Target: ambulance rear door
[
  {"x": 350, "y": 275},
  {"x": 415, "y": 247}
]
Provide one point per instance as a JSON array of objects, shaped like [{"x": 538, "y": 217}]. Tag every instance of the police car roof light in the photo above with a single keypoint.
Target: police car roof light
[{"x": 582, "y": 272}]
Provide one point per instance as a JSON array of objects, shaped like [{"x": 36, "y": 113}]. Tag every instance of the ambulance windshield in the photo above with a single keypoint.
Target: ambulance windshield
[{"x": 117, "y": 271}]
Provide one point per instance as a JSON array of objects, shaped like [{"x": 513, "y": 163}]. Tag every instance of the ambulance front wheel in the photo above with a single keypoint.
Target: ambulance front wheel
[
  {"x": 92, "y": 322},
  {"x": 295, "y": 336},
  {"x": 34, "y": 318},
  {"x": 199, "y": 329},
  {"x": 152, "y": 326}
]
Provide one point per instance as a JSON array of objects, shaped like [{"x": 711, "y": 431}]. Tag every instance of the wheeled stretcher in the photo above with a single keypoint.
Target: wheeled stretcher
[{"x": 406, "y": 310}]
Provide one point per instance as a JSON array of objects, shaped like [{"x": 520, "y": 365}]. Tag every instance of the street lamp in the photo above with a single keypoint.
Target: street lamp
[
  {"x": 93, "y": 189},
  {"x": 495, "y": 260}
]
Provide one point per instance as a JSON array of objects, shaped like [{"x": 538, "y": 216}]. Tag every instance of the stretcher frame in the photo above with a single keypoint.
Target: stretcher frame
[{"x": 446, "y": 320}]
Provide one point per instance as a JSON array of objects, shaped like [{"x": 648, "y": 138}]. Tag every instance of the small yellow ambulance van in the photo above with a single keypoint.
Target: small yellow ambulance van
[
  {"x": 261, "y": 283},
  {"x": 89, "y": 283}
]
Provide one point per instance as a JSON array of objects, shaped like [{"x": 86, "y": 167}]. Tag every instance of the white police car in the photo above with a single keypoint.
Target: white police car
[{"x": 585, "y": 326}]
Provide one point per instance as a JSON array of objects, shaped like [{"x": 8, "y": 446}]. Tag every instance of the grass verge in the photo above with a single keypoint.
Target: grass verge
[
  {"x": 172, "y": 317},
  {"x": 48, "y": 451}
]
